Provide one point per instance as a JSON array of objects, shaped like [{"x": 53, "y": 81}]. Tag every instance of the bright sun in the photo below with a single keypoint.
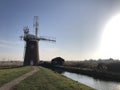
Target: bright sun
[{"x": 110, "y": 42}]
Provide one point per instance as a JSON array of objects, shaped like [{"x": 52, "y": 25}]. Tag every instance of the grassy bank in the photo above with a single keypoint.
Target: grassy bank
[
  {"x": 7, "y": 75},
  {"x": 46, "y": 79},
  {"x": 110, "y": 76}
]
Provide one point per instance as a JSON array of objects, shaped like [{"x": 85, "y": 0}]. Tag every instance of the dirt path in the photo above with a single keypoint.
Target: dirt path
[{"x": 12, "y": 83}]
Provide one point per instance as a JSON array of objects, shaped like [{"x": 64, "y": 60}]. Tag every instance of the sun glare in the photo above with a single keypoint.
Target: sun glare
[{"x": 110, "y": 42}]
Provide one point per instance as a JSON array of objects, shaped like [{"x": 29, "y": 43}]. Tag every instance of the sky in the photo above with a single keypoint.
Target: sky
[{"x": 77, "y": 25}]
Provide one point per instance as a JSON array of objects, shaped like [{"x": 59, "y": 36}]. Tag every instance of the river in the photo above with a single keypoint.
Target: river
[{"x": 92, "y": 82}]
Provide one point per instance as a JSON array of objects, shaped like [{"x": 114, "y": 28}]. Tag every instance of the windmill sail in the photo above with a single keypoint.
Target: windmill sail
[{"x": 46, "y": 38}]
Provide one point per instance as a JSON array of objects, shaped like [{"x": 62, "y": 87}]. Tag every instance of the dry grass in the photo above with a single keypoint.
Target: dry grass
[{"x": 10, "y": 63}]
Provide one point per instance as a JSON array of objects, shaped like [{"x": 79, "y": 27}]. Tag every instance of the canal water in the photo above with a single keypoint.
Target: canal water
[{"x": 92, "y": 82}]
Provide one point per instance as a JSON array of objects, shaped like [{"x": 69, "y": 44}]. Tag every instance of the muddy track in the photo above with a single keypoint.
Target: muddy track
[{"x": 16, "y": 81}]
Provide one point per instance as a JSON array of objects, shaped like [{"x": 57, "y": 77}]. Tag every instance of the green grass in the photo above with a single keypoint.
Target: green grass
[
  {"x": 7, "y": 75},
  {"x": 46, "y": 79}
]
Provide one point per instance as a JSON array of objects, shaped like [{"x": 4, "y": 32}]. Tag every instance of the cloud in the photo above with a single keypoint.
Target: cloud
[
  {"x": 7, "y": 43},
  {"x": 11, "y": 49}
]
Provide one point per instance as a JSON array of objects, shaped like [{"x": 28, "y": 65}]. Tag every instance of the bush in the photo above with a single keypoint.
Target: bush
[{"x": 57, "y": 61}]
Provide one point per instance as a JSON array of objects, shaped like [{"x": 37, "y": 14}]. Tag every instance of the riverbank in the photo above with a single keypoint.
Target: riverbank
[
  {"x": 104, "y": 75},
  {"x": 46, "y": 79},
  {"x": 96, "y": 73},
  {"x": 98, "y": 84}
]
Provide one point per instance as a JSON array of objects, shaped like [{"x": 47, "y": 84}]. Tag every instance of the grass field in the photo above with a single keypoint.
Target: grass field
[
  {"x": 7, "y": 75},
  {"x": 46, "y": 79}
]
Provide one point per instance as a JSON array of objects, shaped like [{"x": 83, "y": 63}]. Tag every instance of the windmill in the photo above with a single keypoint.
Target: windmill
[{"x": 31, "y": 51}]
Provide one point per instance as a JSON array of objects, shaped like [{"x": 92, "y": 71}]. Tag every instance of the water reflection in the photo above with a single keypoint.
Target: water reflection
[{"x": 94, "y": 83}]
